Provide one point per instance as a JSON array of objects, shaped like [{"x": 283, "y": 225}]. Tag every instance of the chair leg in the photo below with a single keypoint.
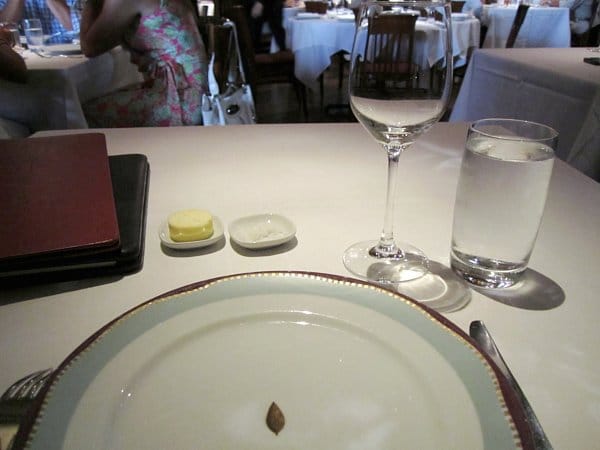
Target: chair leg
[
  {"x": 341, "y": 72},
  {"x": 300, "y": 90},
  {"x": 321, "y": 91},
  {"x": 341, "y": 67}
]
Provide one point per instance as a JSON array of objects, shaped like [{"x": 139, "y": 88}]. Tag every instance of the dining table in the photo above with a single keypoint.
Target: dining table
[
  {"x": 60, "y": 78},
  {"x": 329, "y": 181},
  {"x": 553, "y": 86},
  {"x": 543, "y": 26},
  {"x": 315, "y": 38}
]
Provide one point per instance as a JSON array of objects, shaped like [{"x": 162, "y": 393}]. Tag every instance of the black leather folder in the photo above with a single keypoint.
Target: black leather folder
[{"x": 130, "y": 177}]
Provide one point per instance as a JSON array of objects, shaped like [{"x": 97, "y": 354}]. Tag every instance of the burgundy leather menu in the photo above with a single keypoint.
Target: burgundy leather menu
[{"x": 56, "y": 196}]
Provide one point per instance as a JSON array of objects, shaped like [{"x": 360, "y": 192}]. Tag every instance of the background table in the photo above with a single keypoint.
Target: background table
[
  {"x": 57, "y": 87},
  {"x": 330, "y": 180},
  {"x": 543, "y": 26},
  {"x": 551, "y": 86},
  {"x": 315, "y": 41}
]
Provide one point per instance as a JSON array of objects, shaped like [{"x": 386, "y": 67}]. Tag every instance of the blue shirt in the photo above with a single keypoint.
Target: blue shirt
[{"x": 37, "y": 9}]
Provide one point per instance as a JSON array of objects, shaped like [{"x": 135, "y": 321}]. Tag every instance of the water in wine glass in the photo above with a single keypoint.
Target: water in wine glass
[{"x": 397, "y": 90}]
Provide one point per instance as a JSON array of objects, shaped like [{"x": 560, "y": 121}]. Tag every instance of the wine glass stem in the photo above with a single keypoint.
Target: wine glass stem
[{"x": 386, "y": 248}]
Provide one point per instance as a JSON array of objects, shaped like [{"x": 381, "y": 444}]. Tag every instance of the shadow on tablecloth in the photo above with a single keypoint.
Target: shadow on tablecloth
[{"x": 534, "y": 292}]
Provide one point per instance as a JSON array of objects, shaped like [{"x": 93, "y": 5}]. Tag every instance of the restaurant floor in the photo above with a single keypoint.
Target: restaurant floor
[{"x": 278, "y": 103}]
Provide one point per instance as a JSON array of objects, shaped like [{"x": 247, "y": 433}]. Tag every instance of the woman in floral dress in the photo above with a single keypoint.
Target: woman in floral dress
[{"x": 164, "y": 42}]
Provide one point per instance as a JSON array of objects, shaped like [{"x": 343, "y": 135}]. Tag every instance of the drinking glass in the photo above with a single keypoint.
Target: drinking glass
[
  {"x": 500, "y": 199},
  {"x": 397, "y": 93},
  {"x": 33, "y": 33}
]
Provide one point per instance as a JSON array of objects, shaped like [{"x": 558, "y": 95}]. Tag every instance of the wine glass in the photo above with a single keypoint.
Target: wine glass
[{"x": 397, "y": 93}]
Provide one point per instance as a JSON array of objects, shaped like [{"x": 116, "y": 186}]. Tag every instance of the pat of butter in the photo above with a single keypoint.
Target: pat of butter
[{"x": 190, "y": 225}]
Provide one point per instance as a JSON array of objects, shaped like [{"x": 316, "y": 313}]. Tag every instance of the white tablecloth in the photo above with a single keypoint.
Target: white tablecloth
[
  {"x": 314, "y": 41},
  {"x": 543, "y": 26},
  {"x": 330, "y": 180},
  {"x": 551, "y": 86},
  {"x": 57, "y": 86}
]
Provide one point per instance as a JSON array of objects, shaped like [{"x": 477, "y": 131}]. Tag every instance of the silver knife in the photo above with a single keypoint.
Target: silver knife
[{"x": 481, "y": 335}]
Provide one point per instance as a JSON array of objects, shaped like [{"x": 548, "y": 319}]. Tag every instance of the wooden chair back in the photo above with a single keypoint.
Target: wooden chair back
[
  {"x": 389, "y": 36},
  {"x": 237, "y": 14},
  {"x": 220, "y": 40},
  {"x": 315, "y": 6},
  {"x": 516, "y": 25},
  {"x": 593, "y": 39},
  {"x": 457, "y": 6},
  {"x": 264, "y": 68}
]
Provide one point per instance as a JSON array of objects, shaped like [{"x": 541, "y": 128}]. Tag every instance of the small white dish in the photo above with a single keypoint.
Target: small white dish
[
  {"x": 163, "y": 233},
  {"x": 261, "y": 231}
]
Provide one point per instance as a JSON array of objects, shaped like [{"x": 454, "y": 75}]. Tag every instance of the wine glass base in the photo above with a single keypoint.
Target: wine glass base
[
  {"x": 440, "y": 289},
  {"x": 411, "y": 265}
]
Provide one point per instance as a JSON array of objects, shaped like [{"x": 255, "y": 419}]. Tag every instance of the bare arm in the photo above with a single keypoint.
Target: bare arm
[
  {"x": 61, "y": 11},
  {"x": 12, "y": 66},
  {"x": 104, "y": 23},
  {"x": 12, "y": 11}
]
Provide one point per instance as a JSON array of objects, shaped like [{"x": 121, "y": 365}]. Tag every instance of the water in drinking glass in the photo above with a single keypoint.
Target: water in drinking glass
[
  {"x": 33, "y": 33},
  {"x": 500, "y": 200}
]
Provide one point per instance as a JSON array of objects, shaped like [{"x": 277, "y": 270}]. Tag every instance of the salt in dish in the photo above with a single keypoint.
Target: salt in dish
[{"x": 261, "y": 231}]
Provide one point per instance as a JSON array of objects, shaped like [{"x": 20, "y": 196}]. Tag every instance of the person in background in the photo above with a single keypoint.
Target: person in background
[
  {"x": 164, "y": 42},
  {"x": 271, "y": 12},
  {"x": 580, "y": 13},
  {"x": 57, "y": 16},
  {"x": 12, "y": 65}
]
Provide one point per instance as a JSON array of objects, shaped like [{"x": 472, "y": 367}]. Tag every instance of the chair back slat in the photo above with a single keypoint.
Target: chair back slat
[
  {"x": 516, "y": 25},
  {"x": 389, "y": 37}
]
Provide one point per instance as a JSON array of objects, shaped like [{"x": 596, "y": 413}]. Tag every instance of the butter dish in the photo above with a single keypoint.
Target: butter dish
[
  {"x": 163, "y": 234},
  {"x": 261, "y": 231}
]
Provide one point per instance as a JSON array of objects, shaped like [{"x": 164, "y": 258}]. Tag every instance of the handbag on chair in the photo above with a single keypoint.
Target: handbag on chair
[{"x": 235, "y": 105}]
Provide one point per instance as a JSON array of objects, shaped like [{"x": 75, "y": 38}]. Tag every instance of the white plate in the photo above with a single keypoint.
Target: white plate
[
  {"x": 163, "y": 234},
  {"x": 261, "y": 231},
  {"x": 350, "y": 365}
]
